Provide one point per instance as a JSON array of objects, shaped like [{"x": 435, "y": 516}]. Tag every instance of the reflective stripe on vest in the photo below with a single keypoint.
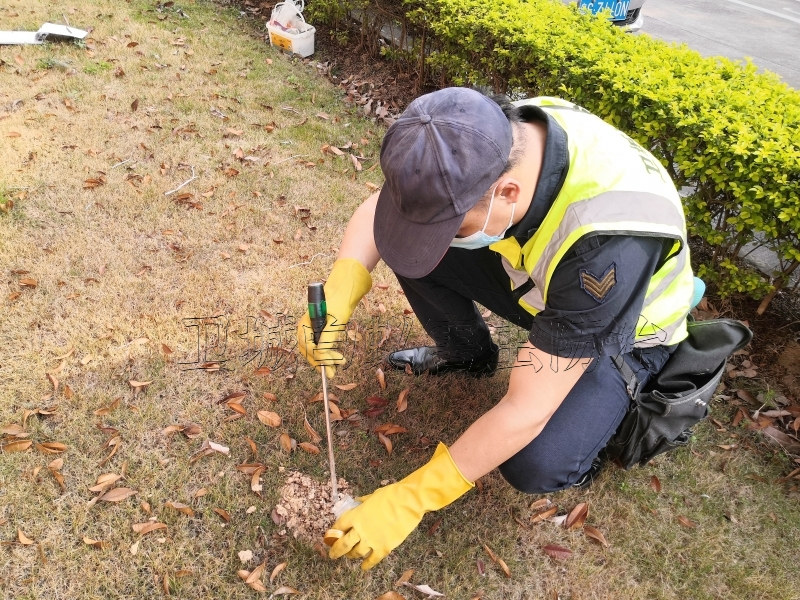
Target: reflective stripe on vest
[{"x": 613, "y": 186}]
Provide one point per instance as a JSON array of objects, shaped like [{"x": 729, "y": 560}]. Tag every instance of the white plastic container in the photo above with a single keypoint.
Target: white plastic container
[
  {"x": 298, "y": 43},
  {"x": 288, "y": 29}
]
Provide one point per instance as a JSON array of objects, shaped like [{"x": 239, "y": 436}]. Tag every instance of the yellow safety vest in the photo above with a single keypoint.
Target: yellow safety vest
[{"x": 613, "y": 186}]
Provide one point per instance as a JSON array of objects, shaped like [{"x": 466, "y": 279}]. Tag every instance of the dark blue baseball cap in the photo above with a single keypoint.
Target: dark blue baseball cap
[{"x": 439, "y": 158}]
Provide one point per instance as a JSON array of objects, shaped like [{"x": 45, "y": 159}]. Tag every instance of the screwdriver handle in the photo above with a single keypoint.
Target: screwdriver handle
[{"x": 317, "y": 309}]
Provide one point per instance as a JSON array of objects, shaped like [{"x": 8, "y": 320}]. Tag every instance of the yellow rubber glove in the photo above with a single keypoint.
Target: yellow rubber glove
[
  {"x": 387, "y": 516},
  {"x": 347, "y": 283}
]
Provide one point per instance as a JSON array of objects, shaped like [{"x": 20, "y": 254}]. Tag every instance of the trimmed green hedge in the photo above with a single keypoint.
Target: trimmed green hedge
[{"x": 729, "y": 136}]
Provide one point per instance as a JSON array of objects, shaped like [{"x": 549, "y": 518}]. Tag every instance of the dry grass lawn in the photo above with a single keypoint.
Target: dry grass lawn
[{"x": 167, "y": 191}]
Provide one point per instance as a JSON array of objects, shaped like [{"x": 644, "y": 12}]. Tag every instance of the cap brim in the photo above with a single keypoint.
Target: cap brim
[{"x": 410, "y": 249}]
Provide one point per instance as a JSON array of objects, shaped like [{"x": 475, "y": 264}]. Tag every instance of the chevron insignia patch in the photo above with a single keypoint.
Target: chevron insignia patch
[{"x": 598, "y": 287}]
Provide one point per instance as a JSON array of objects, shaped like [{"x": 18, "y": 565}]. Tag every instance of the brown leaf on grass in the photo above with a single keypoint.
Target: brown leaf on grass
[
  {"x": 381, "y": 378},
  {"x": 237, "y": 408},
  {"x": 404, "y": 578},
  {"x": 147, "y": 527},
  {"x": 540, "y": 504},
  {"x": 28, "y": 282},
  {"x": 595, "y": 535},
  {"x": 118, "y": 494},
  {"x": 250, "y": 468},
  {"x": 309, "y": 447},
  {"x": 99, "y": 544},
  {"x": 93, "y": 182},
  {"x": 56, "y": 464},
  {"x": 491, "y": 554},
  {"x": 105, "y": 481},
  {"x": 269, "y": 396},
  {"x": 100, "y": 412},
  {"x": 346, "y": 387},
  {"x": 53, "y": 381},
  {"x": 277, "y": 570},
  {"x": 787, "y": 442},
  {"x": 287, "y": 443},
  {"x": 390, "y": 429},
  {"x": 655, "y": 483},
  {"x": 686, "y": 522},
  {"x": 256, "y": 573},
  {"x": 17, "y": 446},
  {"x": 315, "y": 437},
  {"x": 285, "y": 590},
  {"x": 24, "y": 539},
  {"x": 255, "y": 481},
  {"x": 181, "y": 508},
  {"x": 557, "y": 552},
  {"x": 135, "y": 105},
  {"x": 223, "y": 514},
  {"x": 377, "y": 401},
  {"x": 390, "y": 595},
  {"x": 542, "y": 516},
  {"x": 402, "y": 400},
  {"x": 577, "y": 516},
  {"x": 51, "y": 447},
  {"x": 387, "y": 443},
  {"x": 425, "y": 589},
  {"x": 269, "y": 418},
  {"x": 504, "y": 567},
  {"x": 234, "y": 397},
  {"x": 139, "y": 384},
  {"x": 14, "y": 430}
]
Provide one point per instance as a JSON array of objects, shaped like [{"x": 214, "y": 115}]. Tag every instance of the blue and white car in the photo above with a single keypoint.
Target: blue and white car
[{"x": 625, "y": 13}]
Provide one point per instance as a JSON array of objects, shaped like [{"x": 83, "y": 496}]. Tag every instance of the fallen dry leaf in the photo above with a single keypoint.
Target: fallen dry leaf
[
  {"x": 24, "y": 539},
  {"x": 596, "y": 535},
  {"x": 387, "y": 443},
  {"x": 406, "y": 576},
  {"x": 425, "y": 589},
  {"x": 346, "y": 387},
  {"x": 147, "y": 527},
  {"x": 391, "y": 595},
  {"x": 655, "y": 483},
  {"x": 139, "y": 384},
  {"x": 402, "y": 401},
  {"x": 94, "y": 543},
  {"x": 308, "y": 447},
  {"x": 276, "y": 571},
  {"x": 269, "y": 418},
  {"x": 181, "y": 508},
  {"x": 118, "y": 494},
  {"x": 686, "y": 522},
  {"x": 577, "y": 516},
  {"x": 287, "y": 443},
  {"x": 17, "y": 446},
  {"x": 315, "y": 437},
  {"x": 557, "y": 552},
  {"x": 381, "y": 378},
  {"x": 51, "y": 447},
  {"x": 285, "y": 590}
]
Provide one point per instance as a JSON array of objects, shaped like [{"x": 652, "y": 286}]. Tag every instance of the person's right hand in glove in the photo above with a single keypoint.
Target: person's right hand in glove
[
  {"x": 347, "y": 283},
  {"x": 387, "y": 516}
]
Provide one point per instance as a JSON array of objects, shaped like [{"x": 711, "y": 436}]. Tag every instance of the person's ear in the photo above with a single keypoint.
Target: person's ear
[{"x": 509, "y": 190}]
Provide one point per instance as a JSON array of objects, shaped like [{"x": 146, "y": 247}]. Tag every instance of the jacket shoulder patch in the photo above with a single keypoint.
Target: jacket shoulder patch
[{"x": 599, "y": 287}]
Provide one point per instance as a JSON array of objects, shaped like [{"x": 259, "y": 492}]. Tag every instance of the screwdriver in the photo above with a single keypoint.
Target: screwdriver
[{"x": 318, "y": 311}]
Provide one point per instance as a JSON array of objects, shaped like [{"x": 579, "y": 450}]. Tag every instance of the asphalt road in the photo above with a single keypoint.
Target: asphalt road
[{"x": 768, "y": 32}]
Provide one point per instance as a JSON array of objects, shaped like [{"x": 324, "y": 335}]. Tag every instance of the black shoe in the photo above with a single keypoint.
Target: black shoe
[
  {"x": 429, "y": 359},
  {"x": 585, "y": 480}
]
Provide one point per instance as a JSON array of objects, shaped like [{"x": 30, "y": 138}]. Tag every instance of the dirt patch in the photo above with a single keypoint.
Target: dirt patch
[{"x": 304, "y": 508}]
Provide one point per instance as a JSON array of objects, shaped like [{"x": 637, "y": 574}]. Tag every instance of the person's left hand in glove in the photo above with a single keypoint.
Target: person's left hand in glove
[{"x": 388, "y": 515}]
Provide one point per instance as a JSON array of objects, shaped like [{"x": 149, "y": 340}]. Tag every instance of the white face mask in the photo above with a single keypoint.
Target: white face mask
[{"x": 481, "y": 239}]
